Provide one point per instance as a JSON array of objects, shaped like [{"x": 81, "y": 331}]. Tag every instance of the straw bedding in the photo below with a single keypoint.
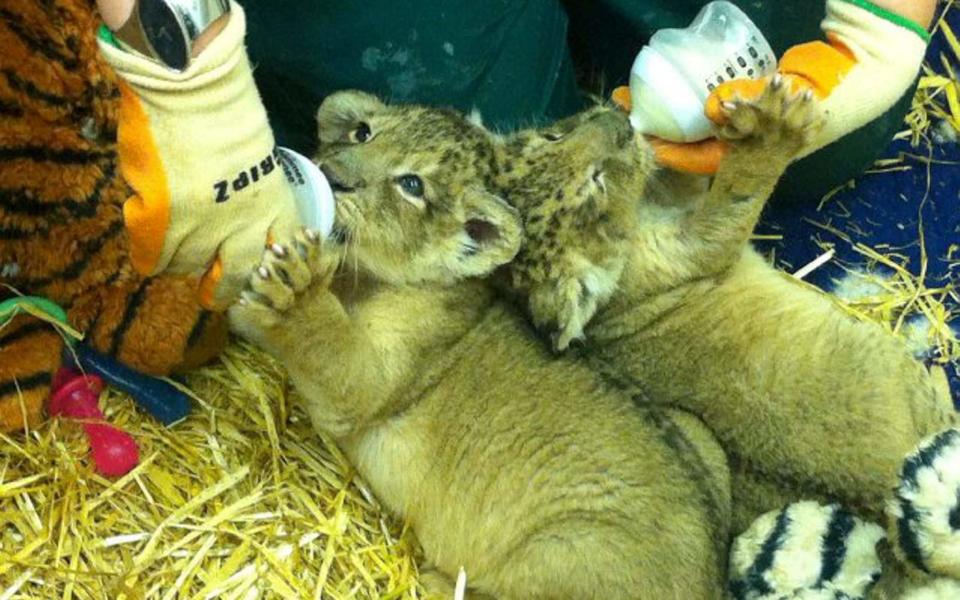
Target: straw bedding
[
  {"x": 888, "y": 243},
  {"x": 244, "y": 500}
]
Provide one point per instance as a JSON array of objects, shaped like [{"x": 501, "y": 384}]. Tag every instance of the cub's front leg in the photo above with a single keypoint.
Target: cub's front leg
[
  {"x": 276, "y": 293},
  {"x": 289, "y": 310},
  {"x": 765, "y": 135}
]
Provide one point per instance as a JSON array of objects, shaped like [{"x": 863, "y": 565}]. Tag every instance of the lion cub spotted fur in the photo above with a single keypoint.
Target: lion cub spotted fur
[
  {"x": 532, "y": 474},
  {"x": 670, "y": 299}
]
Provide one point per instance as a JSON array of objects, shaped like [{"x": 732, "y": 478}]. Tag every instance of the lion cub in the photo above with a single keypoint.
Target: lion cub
[
  {"x": 530, "y": 473},
  {"x": 671, "y": 299}
]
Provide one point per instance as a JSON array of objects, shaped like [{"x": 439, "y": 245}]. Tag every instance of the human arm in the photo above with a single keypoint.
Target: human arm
[
  {"x": 918, "y": 11},
  {"x": 116, "y": 13}
]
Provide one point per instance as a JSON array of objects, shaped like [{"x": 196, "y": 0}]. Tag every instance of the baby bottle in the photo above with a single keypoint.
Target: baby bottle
[
  {"x": 314, "y": 198},
  {"x": 674, "y": 74}
]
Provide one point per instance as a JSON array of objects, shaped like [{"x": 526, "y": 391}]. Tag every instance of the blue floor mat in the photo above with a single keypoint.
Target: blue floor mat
[{"x": 884, "y": 210}]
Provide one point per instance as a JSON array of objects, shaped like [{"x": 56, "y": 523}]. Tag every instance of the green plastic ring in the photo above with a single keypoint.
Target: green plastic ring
[{"x": 9, "y": 308}]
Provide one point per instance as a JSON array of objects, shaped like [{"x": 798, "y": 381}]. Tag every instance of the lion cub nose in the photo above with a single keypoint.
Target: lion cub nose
[{"x": 610, "y": 128}]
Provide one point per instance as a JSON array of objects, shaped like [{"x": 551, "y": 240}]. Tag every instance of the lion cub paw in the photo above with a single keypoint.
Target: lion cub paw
[
  {"x": 272, "y": 288},
  {"x": 778, "y": 118}
]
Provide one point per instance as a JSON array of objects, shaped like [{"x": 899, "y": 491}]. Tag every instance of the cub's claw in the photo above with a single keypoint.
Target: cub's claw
[
  {"x": 312, "y": 236},
  {"x": 779, "y": 118},
  {"x": 273, "y": 286}
]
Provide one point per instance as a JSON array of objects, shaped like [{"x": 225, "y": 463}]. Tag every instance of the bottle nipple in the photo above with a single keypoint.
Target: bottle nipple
[{"x": 314, "y": 197}]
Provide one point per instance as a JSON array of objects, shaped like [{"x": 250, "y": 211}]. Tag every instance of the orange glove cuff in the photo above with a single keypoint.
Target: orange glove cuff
[
  {"x": 731, "y": 90},
  {"x": 209, "y": 282},
  {"x": 147, "y": 213},
  {"x": 698, "y": 158},
  {"x": 621, "y": 97},
  {"x": 822, "y": 66}
]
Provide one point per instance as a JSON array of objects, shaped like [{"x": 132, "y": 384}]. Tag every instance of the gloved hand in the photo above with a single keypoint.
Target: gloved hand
[
  {"x": 699, "y": 158},
  {"x": 198, "y": 151},
  {"x": 870, "y": 59}
]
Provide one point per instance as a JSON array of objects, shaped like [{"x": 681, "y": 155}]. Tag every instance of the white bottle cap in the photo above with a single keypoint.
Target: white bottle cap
[
  {"x": 680, "y": 99},
  {"x": 314, "y": 198}
]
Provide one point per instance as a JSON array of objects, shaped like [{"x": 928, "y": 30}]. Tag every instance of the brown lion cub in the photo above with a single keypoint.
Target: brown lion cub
[
  {"x": 671, "y": 299},
  {"x": 530, "y": 473}
]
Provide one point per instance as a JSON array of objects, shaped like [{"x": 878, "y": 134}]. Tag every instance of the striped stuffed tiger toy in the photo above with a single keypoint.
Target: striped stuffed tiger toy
[{"x": 62, "y": 234}]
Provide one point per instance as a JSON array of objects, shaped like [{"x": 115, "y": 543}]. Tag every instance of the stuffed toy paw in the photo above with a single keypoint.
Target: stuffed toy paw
[
  {"x": 941, "y": 589},
  {"x": 805, "y": 552},
  {"x": 870, "y": 59},
  {"x": 62, "y": 233},
  {"x": 925, "y": 511}
]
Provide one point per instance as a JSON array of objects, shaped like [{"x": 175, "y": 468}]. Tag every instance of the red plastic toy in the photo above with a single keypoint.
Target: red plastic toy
[{"x": 75, "y": 396}]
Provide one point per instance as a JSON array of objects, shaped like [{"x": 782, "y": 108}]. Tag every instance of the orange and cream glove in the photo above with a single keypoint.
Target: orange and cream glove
[
  {"x": 870, "y": 59},
  {"x": 198, "y": 152}
]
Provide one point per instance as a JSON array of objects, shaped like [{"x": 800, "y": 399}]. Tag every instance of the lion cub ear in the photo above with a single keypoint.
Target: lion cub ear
[
  {"x": 492, "y": 232},
  {"x": 342, "y": 112}
]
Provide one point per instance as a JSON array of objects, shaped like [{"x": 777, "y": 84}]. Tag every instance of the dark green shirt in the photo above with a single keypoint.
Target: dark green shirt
[{"x": 508, "y": 59}]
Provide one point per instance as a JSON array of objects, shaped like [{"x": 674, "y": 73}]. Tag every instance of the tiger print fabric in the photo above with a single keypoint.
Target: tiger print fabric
[{"x": 61, "y": 227}]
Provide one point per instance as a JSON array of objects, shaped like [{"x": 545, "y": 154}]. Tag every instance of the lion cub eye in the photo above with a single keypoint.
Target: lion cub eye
[
  {"x": 411, "y": 184},
  {"x": 361, "y": 134},
  {"x": 552, "y": 136}
]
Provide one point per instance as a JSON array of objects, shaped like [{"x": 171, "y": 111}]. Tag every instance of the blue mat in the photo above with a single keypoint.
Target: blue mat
[{"x": 884, "y": 211}]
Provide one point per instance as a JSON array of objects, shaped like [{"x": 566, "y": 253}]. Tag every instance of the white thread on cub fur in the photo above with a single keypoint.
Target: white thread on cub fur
[
  {"x": 944, "y": 133},
  {"x": 475, "y": 117},
  {"x": 858, "y": 285},
  {"x": 460, "y": 591},
  {"x": 926, "y": 508},
  {"x": 916, "y": 333}
]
